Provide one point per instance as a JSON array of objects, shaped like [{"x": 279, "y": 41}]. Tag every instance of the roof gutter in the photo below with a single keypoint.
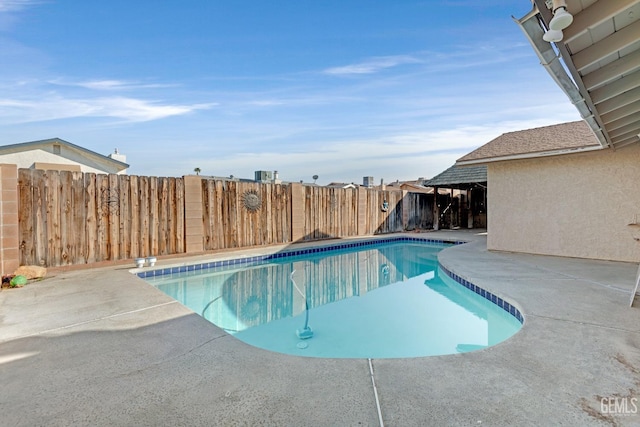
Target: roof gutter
[
  {"x": 532, "y": 29},
  {"x": 530, "y": 155}
]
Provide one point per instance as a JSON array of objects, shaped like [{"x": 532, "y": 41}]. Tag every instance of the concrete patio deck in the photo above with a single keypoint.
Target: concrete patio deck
[{"x": 102, "y": 347}]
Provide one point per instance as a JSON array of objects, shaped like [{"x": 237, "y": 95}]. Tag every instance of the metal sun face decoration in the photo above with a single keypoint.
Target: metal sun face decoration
[{"x": 251, "y": 201}]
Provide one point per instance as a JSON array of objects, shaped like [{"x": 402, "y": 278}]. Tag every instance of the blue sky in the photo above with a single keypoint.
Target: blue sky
[{"x": 342, "y": 89}]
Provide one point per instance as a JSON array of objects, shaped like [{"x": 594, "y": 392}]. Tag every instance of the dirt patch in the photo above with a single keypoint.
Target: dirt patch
[
  {"x": 624, "y": 362},
  {"x": 594, "y": 408},
  {"x": 595, "y": 413}
]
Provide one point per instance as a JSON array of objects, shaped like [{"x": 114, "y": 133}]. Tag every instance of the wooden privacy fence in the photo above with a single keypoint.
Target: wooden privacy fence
[
  {"x": 67, "y": 218},
  {"x": 337, "y": 212},
  {"x": 378, "y": 220},
  {"x": 329, "y": 212},
  {"x": 240, "y": 214},
  {"x": 77, "y": 218}
]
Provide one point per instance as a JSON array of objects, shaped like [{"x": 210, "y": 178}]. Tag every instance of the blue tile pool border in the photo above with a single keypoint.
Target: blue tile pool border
[
  {"x": 258, "y": 259},
  {"x": 500, "y": 302},
  {"x": 287, "y": 253}
]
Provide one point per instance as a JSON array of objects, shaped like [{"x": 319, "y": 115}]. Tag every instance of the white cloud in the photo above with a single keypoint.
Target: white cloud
[
  {"x": 460, "y": 57},
  {"x": 110, "y": 84},
  {"x": 100, "y": 84},
  {"x": 141, "y": 110},
  {"x": 372, "y": 65},
  {"x": 266, "y": 103},
  {"x": 14, "y": 5},
  {"x": 54, "y": 108}
]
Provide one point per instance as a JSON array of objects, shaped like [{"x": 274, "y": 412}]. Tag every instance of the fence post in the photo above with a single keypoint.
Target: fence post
[
  {"x": 9, "y": 250},
  {"x": 193, "y": 211},
  {"x": 362, "y": 212},
  {"x": 297, "y": 211},
  {"x": 405, "y": 210},
  {"x": 436, "y": 210}
]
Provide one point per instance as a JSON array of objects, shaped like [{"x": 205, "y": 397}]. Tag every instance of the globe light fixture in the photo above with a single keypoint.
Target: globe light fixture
[
  {"x": 553, "y": 36},
  {"x": 561, "y": 18}
]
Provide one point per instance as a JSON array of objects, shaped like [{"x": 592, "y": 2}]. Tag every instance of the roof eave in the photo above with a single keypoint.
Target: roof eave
[
  {"x": 530, "y": 26},
  {"x": 95, "y": 154},
  {"x": 529, "y": 155}
]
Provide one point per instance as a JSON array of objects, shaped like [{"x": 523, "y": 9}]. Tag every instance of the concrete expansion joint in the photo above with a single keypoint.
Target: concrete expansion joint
[
  {"x": 375, "y": 393},
  {"x": 73, "y": 325},
  {"x": 595, "y": 325}
]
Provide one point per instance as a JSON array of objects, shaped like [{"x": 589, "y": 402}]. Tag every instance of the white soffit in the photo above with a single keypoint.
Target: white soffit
[{"x": 600, "y": 69}]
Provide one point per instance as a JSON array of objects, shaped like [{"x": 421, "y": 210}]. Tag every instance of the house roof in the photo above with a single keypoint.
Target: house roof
[
  {"x": 459, "y": 177},
  {"x": 543, "y": 141},
  {"x": 596, "y": 62},
  {"x": 342, "y": 185},
  {"x": 415, "y": 187},
  {"x": 24, "y": 146}
]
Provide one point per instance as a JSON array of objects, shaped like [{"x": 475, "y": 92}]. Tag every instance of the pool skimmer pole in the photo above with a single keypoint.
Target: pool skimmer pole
[{"x": 306, "y": 332}]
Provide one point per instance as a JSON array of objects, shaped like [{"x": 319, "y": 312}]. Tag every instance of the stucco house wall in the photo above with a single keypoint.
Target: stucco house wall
[{"x": 576, "y": 205}]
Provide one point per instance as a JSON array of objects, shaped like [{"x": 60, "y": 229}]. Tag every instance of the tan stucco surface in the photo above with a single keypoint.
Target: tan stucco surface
[{"x": 575, "y": 205}]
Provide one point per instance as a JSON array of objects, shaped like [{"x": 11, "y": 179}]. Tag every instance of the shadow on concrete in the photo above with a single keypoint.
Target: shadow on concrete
[{"x": 135, "y": 369}]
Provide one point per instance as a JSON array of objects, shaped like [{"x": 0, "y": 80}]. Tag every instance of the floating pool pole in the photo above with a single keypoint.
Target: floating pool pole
[{"x": 306, "y": 332}]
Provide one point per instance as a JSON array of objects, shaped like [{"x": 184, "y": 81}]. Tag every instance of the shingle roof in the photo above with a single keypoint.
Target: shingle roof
[
  {"x": 459, "y": 177},
  {"x": 548, "y": 140}
]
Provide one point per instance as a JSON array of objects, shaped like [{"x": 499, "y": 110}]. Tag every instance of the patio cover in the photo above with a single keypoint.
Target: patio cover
[{"x": 460, "y": 178}]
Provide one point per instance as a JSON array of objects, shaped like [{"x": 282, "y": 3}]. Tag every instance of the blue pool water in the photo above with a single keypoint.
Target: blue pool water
[{"x": 387, "y": 300}]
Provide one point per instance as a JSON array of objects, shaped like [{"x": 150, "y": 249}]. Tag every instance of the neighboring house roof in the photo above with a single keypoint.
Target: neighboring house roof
[
  {"x": 342, "y": 185},
  {"x": 459, "y": 177},
  {"x": 600, "y": 49},
  {"x": 413, "y": 187},
  {"x": 544, "y": 141},
  {"x": 93, "y": 159},
  {"x": 418, "y": 181},
  {"x": 229, "y": 178}
]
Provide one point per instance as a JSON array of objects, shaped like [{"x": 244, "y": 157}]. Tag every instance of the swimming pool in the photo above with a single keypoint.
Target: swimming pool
[{"x": 386, "y": 299}]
